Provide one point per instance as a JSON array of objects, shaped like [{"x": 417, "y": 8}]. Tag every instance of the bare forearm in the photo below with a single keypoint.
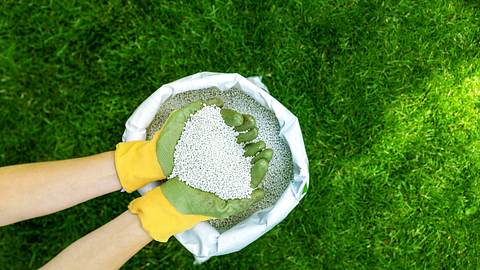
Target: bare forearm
[
  {"x": 108, "y": 247},
  {"x": 37, "y": 189}
]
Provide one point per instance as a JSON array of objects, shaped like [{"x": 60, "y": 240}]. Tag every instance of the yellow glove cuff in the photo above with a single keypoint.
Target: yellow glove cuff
[
  {"x": 136, "y": 163},
  {"x": 159, "y": 217}
]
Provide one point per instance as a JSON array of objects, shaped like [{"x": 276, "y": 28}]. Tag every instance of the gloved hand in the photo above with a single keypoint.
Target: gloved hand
[
  {"x": 174, "y": 207},
  {"x": 141, "y": 162}
]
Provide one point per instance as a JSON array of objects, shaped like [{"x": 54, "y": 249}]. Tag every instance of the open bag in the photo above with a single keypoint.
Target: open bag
[{"x": 203, "y": 240}]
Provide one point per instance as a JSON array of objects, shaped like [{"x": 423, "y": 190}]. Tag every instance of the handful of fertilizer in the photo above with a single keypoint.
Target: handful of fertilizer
[{"x": 215, "y": 153}]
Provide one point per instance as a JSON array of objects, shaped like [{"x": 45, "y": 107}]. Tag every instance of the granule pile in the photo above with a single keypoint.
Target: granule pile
[
  {"x": 208, "y": 157},
  {"x": 280, "y": 169}
]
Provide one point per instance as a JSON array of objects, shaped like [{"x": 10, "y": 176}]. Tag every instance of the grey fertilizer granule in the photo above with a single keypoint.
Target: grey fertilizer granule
[{"x": 280, "y": 170}]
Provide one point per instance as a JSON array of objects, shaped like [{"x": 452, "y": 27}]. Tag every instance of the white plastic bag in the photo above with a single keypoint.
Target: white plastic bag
[{"x": 204, "y": 241}]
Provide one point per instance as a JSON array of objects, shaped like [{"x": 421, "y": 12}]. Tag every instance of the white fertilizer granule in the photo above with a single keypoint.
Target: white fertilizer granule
[
  {"x": 208, "y": 157},
  {"x": 280, "y": 169}
]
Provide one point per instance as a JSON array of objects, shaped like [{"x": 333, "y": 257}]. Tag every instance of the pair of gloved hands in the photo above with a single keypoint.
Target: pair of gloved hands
[{"x": 173, "y": 206}]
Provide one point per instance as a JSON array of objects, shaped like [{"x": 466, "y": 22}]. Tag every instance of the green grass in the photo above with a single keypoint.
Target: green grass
[{"x": 387, "y": 93}]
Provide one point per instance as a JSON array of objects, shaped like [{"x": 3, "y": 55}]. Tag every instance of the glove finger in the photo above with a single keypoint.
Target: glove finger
[
  {"x": 236, "y": 206},
  {"x": 232, "y": 118},
  {"x": 190, "y": 108},
  {"x": 257, "y": 195},
  {"x": 248, "y": 136},
  {"x": 266, "y": 154},
  {"x": 215, "y": 101},
  {"x": 252, "y": 149},
  {"x": 258, "y": 172},
  {"x": 248, "y": 123}
]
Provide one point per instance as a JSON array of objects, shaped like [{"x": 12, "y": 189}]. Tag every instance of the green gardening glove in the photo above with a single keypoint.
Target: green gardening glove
[{"x": 174, "y": 206}]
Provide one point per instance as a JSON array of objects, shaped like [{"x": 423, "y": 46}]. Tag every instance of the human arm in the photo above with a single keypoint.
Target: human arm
[
  {"x": 108, "y": 247},
  {"x": 38, "y": 189},
  {"x": 162, "y": 212}
]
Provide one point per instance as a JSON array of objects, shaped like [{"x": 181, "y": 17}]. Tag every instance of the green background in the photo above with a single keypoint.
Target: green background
[{"x": 387, "y": 94}]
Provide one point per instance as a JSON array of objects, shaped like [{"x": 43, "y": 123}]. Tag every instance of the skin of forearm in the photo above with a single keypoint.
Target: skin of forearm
[
  {"x": 108, "y": 247},
  {"x": 37, "y": 189}
]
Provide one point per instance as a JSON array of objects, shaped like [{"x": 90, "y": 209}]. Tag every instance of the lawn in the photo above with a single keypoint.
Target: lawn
[{"x": 387, "y": 94}]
